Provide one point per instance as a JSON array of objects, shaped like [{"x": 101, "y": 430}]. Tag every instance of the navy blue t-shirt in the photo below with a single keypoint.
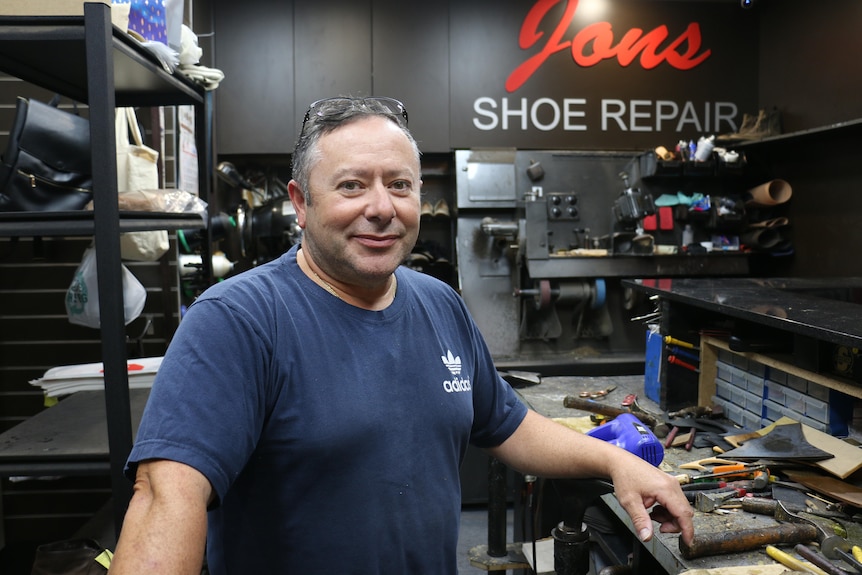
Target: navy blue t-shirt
[{"x": 331, "y": 435}]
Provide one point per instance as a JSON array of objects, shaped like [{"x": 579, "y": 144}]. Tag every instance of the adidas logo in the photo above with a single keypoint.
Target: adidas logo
[{"x": 453, "y": 364}]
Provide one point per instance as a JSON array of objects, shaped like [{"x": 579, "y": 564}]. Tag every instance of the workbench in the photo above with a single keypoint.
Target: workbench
[
  {"x": 70, "y": 438},
  {"x": 547, "y": 398}
]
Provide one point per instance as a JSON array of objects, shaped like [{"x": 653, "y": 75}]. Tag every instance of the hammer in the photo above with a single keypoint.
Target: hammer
[{"x": 709, "y": 502}]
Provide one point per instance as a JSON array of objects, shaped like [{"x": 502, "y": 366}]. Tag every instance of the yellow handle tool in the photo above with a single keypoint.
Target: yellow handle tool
[{"x": 792, "y": 562}]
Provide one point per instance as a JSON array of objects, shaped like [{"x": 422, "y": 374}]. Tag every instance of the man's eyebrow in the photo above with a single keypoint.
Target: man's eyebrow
[{"x": 362, "y": 172}]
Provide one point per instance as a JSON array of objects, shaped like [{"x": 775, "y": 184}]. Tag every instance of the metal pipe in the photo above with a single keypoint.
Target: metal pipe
[{"x": 496, "y": 508}]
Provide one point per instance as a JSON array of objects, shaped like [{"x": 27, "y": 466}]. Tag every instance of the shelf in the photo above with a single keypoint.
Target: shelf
[
  {"x": 89, "y": 60},
  {"x": 50, "y": 52},
  {"x": 719, "y": 263},
  {"x": 81, "y": 223},
  {"x": 706, "y": 382},
  {"x": 849, "y": 127}
]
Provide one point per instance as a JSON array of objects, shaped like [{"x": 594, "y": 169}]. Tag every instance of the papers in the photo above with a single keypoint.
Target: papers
[{"x": 66, "y": 379}]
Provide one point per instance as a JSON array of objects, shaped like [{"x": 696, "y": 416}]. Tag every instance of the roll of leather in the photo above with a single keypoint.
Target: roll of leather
[{"x": 770, "y": 193}]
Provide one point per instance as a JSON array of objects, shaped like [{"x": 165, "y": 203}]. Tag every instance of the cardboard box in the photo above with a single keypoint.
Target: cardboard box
[{"x": 45, "y": 7}]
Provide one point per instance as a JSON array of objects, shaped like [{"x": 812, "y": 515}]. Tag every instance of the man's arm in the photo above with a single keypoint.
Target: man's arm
[
  {"x": 545, "y": 448},
  {"x": 165, "y": 527}
]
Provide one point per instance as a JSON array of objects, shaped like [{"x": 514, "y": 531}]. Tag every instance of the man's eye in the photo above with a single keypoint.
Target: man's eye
[
  {"x": 401, "y": 186},
  {"x": 350, "y": 186}
]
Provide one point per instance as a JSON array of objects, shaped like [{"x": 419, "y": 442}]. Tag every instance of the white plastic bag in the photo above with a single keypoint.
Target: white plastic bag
[
  {"x": 82, "y": 297},
  {"x": 144, "y": 246}
]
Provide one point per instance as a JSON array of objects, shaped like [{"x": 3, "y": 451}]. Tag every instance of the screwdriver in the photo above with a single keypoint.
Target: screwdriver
[{"x": 738, "y": 470}]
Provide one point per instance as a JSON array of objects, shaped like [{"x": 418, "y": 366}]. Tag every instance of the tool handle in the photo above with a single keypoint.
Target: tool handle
[
  {"x": 674, "y": 360},
  {"x": 790, "y": 561},
  {"x": 673, "y": 341},
  {"x": 759, "y": 506},
  {"x": 819, "y": 560},
  {"x": 722, "y": 542},
  {"x": 592, "y": 406}
]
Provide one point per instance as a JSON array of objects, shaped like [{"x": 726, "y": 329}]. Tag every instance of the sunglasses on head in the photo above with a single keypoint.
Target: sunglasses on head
[{"x": 332, "y": 107}]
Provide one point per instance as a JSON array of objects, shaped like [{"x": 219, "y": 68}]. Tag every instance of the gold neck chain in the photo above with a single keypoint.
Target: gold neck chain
[{"x": 329, "y": 287}]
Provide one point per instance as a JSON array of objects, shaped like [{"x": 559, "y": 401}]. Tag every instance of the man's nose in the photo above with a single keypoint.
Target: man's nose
[{"x": 380, "y": 205}]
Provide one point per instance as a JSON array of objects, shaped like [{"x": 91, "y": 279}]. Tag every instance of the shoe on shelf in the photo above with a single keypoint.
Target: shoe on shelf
[
  {"x": 763, "y": 125},
  {"x": 441, "y": 208},
  {"x": 426, "y": 209}
]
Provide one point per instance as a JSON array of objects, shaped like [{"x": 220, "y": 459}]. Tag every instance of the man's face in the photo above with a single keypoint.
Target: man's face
[{"x": 363, "y": 219}]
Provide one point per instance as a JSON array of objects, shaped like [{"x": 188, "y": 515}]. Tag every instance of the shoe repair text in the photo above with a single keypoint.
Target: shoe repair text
[
  {"x": 547, "y": 114},
  {"x": 595, "y": 43}
]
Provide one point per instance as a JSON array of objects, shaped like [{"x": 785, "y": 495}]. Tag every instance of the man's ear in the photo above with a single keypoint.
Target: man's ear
[{"x": 297, "y": 198}]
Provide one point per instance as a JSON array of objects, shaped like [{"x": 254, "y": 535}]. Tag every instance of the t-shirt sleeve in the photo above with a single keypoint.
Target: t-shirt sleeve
[
  {"x": 497, "y": 409},
  {"x": 207, "y": 405}
]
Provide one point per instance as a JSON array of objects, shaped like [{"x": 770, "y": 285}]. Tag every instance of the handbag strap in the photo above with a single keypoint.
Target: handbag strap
[
  {"x": 121, "y": 128},
  {"x": 134, "y": 127},
  {"x": 125, "y": 122}
]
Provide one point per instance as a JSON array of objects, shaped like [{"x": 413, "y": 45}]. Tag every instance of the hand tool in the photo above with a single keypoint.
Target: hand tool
[
  {"x": 829, "y": 542},
  {"x": 850, "y": 560},
  {"x": 790, "y": 561},
  {"x": 709, "y": 502},
  {"x": 749, "y": 473},
  {"x": 674, "y": 360},
  {"x": 690, "y": 443},
  {"x": 721, "y": 542},
  {"x": 769, "y": 506},
  {"x": 597, "y": 394},
  {"x": 597, "y": 407},
  {"x": 673, "y": 341},
  {"x": 701, "y": 464},
  {"x": 819, "y": 560},
  {"x": 670, "y": 437},
  {"x": 682, "y": 353}
]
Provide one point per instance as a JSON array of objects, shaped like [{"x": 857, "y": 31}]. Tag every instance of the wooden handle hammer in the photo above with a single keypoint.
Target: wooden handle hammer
[{"x": 722, "y": 542}]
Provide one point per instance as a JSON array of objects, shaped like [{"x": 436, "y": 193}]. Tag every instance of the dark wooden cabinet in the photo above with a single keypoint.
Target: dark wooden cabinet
[
  {"x": 254, "y": 47},
  {"x": 278, "y": 58}
]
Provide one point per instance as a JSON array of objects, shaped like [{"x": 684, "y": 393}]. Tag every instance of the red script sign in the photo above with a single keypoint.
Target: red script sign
[{"x": 600, "y": 35}]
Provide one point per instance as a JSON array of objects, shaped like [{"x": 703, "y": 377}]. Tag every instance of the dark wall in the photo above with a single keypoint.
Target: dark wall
[
  {"x": 809, "y": 61},
  {"x": 639, "y": 74},
  {"x": 810, "y": 53}
]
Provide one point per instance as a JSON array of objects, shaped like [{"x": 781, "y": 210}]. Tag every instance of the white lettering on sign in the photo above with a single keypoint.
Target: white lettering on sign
[
  {"x": 546, "y": 114},
  {"x": 541, "y": 108}
]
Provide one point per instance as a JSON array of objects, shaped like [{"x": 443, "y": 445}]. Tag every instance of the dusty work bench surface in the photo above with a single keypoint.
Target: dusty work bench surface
[{"x": 547, "y": 398}]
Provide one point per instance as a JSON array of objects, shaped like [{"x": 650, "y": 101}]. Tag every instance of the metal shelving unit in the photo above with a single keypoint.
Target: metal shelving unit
[{"x": 89, "y": 60}]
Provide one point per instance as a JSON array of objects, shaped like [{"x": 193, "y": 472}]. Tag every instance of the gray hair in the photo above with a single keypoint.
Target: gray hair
[{"x": 325, "y": 116}]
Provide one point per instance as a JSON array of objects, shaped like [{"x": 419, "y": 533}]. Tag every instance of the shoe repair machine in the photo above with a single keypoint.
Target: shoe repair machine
[{"x": 544, "y": 239}]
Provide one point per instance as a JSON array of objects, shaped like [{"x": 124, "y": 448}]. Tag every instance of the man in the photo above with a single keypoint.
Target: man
[{"x": 305, "y": 418}]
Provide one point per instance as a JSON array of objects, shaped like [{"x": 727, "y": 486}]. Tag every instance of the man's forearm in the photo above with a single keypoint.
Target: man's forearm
[{"x": 164, "y": 530}]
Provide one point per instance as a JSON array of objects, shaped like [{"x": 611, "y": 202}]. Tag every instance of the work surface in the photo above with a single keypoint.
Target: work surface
[
  {"x": 69, "y": 438},
  {"x": 547, "y": 398}
]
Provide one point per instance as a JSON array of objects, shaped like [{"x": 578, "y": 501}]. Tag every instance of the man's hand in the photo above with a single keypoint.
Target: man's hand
[
  {"x": 547, "y": 449},
  {"x": 641, "y": 487}
]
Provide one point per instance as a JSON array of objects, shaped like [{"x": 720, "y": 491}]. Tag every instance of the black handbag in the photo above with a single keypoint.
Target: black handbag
[{"x": 47, "y": 164}]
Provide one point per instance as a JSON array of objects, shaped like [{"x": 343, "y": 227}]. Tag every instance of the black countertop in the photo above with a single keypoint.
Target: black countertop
[{"x": 827, "y": 309}]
